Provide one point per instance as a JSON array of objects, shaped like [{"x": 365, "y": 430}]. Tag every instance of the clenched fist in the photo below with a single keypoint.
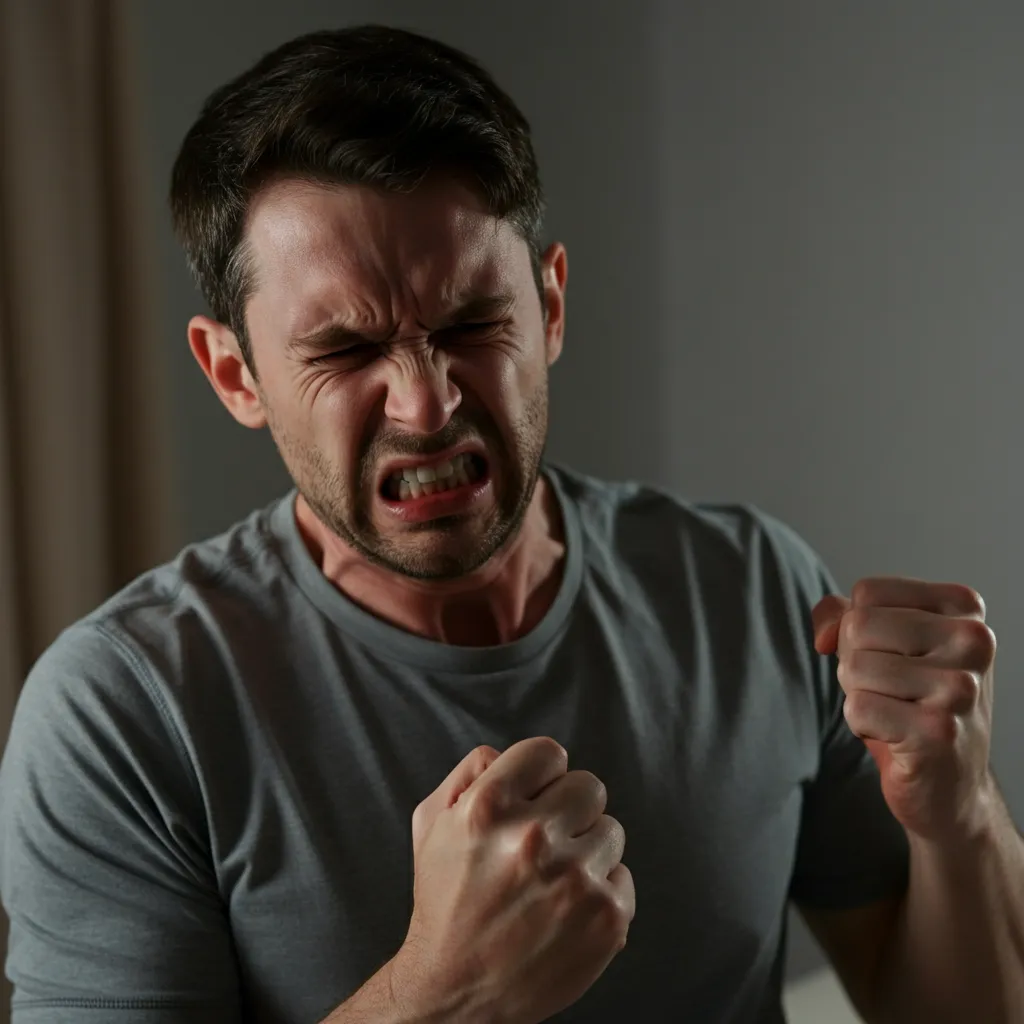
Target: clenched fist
[{"x": 520, "y": 897}]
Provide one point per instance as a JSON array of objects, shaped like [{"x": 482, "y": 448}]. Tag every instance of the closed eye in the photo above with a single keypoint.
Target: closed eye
[
  {"x": 473, "y": 328},
  {"x": 364, "y": 353},
  {"x": 357, "y": 353}
]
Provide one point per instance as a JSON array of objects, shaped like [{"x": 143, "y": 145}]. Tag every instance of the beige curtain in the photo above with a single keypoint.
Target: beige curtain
[{"x": 85, "y": 491}]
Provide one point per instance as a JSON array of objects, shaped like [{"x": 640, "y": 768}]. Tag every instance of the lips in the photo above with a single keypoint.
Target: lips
[
  {"x": 456, "y": 493},
  {"x": 409, "y": 483}
]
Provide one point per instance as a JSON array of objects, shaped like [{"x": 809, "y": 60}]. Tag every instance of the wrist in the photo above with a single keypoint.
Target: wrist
[
  {"x": 976, "y": 828},
  {"x": 387, "y": 998},
  {"x": 418, "y": 996}
]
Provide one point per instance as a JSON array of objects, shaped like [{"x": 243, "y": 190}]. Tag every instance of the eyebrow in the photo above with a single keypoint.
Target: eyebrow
[{"x": 335, "y": 335}]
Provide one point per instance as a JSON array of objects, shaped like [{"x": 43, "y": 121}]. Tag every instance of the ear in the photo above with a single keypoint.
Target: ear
[
  {"x": 554, "y": 270},
  {"x": 220, "y": 356}
]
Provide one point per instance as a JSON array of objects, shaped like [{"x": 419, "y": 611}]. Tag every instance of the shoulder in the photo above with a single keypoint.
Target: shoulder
[
  {"x": 243, "y": 557},
  {"x": 655, "y": 529},
  {"x": 160, "y": 630}
]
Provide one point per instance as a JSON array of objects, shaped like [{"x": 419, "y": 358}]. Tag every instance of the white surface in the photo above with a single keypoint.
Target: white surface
[{"x": 818, "y": 998}]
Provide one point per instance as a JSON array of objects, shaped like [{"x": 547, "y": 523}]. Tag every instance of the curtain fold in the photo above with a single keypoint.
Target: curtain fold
[{"x": 85, "y": 458}]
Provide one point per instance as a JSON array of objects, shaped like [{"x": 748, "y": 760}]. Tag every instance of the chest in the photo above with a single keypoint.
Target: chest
[{"x": 313, "y": 843}]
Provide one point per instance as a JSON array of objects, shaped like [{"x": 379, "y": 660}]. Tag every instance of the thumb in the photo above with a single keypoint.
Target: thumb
[
  {"x": 826, "y": 616},
  {"x": 461, "y": 777}
]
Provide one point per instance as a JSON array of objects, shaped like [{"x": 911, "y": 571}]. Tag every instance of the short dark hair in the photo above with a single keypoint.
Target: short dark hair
[{"x": 367, "y": 105}]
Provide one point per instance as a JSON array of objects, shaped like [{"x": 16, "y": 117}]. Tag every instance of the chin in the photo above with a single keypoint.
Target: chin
[{"x": 435, "y": 558}]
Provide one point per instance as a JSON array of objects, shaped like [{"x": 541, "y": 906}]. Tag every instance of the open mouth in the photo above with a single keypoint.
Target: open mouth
[{"x": 412, "y": 482}]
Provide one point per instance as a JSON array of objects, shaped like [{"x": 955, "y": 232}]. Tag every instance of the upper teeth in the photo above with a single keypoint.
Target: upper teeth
[
  {"x": 427, "y": 474},
  {"x": 413, "y": 481}
]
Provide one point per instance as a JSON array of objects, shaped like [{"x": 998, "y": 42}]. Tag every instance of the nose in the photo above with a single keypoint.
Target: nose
[{"x": 421, "y": 396}]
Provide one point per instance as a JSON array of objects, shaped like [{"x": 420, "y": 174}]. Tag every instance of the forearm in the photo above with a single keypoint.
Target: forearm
[
  {"x": 373, "y": 1003},
  {"x": 392, "y": 996},
  {"x": 376, "y": 1002},
  {"x": 957, "y": 950}
]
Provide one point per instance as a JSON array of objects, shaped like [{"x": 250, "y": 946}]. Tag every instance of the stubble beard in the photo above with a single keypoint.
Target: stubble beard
[{"x": 347, "y": 512}]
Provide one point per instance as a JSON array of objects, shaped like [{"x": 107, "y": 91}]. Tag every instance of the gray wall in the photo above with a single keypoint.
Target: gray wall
[{"x": 795, "y": 234}]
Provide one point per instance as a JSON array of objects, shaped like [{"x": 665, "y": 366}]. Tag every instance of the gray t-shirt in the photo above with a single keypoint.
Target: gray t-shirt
[{"x": 206, "y": 798}]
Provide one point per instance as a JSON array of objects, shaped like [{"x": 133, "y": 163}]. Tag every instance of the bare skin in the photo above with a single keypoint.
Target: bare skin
[{"x": 502, "y": 600}]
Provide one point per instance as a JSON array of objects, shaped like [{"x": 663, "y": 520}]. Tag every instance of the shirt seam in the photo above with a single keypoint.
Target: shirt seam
[{"x": 145, "y": 677}]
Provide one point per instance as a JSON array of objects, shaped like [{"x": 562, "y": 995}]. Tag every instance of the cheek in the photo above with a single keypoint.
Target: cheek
[
  {"x": 340, "y": 417},
  {"x": 501, "y": 381}
]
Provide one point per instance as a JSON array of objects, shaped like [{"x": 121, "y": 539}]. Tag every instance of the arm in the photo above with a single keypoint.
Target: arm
[
  {"x": 389, "y": 998},
  {"x": 104, "y": 865},
  {"x": 951, "y": 949},
  {"x": 916, "y": 663},
  {"x": 956, "y": 952},
  {"x": 374, "y": 1003}
]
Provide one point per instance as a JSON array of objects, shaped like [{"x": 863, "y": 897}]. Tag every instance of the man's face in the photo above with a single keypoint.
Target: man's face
[{"x": 403, "y": 358}]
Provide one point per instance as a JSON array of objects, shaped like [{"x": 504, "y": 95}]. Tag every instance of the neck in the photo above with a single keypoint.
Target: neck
[{"x": 502, "y": 600}]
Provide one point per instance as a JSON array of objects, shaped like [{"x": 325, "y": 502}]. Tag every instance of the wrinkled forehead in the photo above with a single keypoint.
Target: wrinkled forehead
[{"x": 321, "y": 250}]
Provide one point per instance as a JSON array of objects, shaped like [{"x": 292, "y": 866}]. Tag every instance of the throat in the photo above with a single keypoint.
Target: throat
[{"x": 499, "y": 603}]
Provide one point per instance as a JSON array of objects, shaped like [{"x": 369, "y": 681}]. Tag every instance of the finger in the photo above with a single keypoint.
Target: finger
[
  {"x": 572, "y": 803},
  {"x": 900, "y": 592},
  {"x": 468, "y": 771},
  {"x": 601, "y": 846},
  {"x": 461, "y": 777},
  {"x": 891, "y": 675},
  {"x": 825, "y": 618},
  {"x": 906, "y": 631},
  {"x": 905, "y": 725},
  {"x": 621, "y": 881},
  {"x": 523, "y": 770},
  {"x": 937, "y": 639}
]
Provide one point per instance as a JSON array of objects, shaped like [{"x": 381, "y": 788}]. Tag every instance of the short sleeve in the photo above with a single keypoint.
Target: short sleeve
[
  {"x": 851, "y": 850},
  {"x": 105, "y": 872}
]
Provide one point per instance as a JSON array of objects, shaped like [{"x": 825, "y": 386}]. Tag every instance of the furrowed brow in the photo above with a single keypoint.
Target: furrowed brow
[
  {"x": 329, "y": 337},
  {"x": 337, "y": 336},
  {"x": 482, "y": 307}
]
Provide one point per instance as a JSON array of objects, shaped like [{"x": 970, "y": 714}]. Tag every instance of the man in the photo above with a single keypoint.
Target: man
[{"x": 317, "y": 768}]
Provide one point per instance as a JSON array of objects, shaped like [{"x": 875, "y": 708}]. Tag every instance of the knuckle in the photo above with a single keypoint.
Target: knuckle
[
  {"x": 964, "y": 689},
  {"x": 853, "y": 664},
  {"x": 533, "y": 842},
  {"x": 970, "y": 601},
  {"x": 575, "y": 886},
  {"x": 553, "y": 748},
  {"x": 627, "y": 894},
  {"x": 856, "y": 623},
  {"x": 483, "y": 755},
  {"x": 615, "y": 917},
  {"x": 615, "y": 826},
  {"x": 863, "y": 592},
  {"x": 615, "y": 833},
  {"x": 611, "y": 915},
  {"x": 980, "y": 638},
  {"x": 944, "y": 727},
  {"x": 599, "y": 789},
  {"x": 853, "y": 706},
  {"x": 845, "y": 672},
  {"x": 482, "y": 810}
]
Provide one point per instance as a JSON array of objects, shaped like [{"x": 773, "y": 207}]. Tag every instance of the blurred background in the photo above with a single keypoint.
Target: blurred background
[{"x": 795, "y": 235}]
